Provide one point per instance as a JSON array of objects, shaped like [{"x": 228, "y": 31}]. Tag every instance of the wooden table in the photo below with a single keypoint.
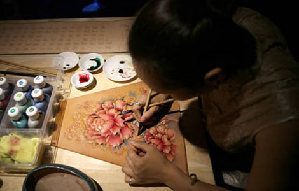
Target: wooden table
[{"x": 109, "y": 176}]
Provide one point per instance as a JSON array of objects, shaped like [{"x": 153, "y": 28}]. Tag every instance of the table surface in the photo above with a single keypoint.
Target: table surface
[{"x": 109, "y": 176}]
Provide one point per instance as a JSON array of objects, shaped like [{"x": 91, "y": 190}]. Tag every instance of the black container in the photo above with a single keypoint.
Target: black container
[{"x": 39, "y": 172}]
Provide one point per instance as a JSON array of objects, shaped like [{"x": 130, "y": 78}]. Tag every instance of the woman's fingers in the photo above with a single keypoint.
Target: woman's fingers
[
  {"x": 128, "y": 171},
  {"x": 149, "y": 114},
  {"x": 130, "y": 159},
  {"x": 141, "y": 145},
  {"x": 129, "y": 177},
  {"x": 130, "y": 180}
]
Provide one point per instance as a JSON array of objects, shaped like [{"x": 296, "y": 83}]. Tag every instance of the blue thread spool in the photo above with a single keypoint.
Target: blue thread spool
[
  {"x": 41, "y": 100},
  {"x": 39, "y": 82},
  {"x": 23, "y": 86},
  {"x": 16, "y": 118},
  {"x": 22, "y": 103}
]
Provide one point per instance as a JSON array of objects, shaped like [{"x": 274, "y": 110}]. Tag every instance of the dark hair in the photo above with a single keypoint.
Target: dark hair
[{"x": 184, "y": 39}]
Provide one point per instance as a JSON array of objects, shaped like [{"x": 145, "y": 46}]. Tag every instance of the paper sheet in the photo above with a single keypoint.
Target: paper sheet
[
  {"x": 57, "y": 36},
  {"x": 71, "y": 130}
]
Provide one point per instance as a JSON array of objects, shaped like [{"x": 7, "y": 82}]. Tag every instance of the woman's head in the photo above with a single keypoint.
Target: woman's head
[{"x": 175, "y": 43}]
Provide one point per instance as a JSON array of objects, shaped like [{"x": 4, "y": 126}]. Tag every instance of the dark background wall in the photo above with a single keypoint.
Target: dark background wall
[
  {"x": 40, "y": 9},
  {"x": 282, "y": 13}
]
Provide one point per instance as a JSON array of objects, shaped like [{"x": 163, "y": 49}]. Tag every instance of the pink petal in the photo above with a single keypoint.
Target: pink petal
[
  {"x": 100, "y": 107},
  {"x": 170, "y": 133},
  {"x": 119, "y": 105},
  {"x": 115, "y": 129},
  {"x": 129, "y": 117},
  {"x": 106, "y": 117},
  {"x": 159, "y": 136},
  {"x": 166, "y": 149},
  {"x": 153, "y": 130},
  {"x": 112, "y": 112},
  {"x": 169, "y": 156},
  {"x": 161, "y": 129},
  {"x": 107, "y": 133},
  {"x": 147, "y": 136},
  {"x": 108, "y": 105},
  {"x": 101, "y": 140},
  {"x": 106, "y": 126},
  {"x": 165, "y": 140},
  {"x": 126, "y": 132},
  {"x": 160, "y": 147},
  {"x": 88, "y": 121},
  {"x": 156, "y": 142},
  {"x": 114, "y": 140},
  {"x": 119, "y": 121},
  {"x": 93, "y": 132},
  {"x": 100, "y": 112}
]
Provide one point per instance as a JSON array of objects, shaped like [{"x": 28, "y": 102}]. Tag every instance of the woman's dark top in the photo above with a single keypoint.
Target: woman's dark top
[{"x": 263, "y": 97}]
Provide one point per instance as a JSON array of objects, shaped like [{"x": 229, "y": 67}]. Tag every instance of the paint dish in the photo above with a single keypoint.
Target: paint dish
[
  {"x": 82, "y": 79},
  {"x": 119, "y": 68},
  {"x": 66, "y": 60},
  {"x": 91, "y": 62},
  {"x": 57, "y": 177}
]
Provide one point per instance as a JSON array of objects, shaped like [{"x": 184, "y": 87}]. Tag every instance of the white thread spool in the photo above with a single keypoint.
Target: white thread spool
[
  {"x": 37, "y": 94},
  {"x": 3, "y": 83},
  {"x": 39, "y": 82},
  {"x": 32, "y": 112},
  {"x": 20, "y": 98},
  {"x": 22, "y": 85},
  {"x": 14, "y": 113},
  {"x": 2, "y": 95}
]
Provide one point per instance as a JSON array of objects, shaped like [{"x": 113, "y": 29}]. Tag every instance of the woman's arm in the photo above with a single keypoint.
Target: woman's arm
[
  {"x": 274, "y": 168},
  {"x": 178, "y": 180},
  {"x": 276, "y": 160},
  {"x": 153, "y": 167}
]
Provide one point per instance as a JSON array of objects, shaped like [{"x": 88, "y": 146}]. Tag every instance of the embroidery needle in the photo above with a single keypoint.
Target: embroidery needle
[{"x": 147, "y": 100}]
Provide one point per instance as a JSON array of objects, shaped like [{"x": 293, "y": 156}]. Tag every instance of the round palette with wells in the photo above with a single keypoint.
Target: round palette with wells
[
  {"x": 119, "y": 68},
  {"x": 66, "y": 60},
  {"x": 91, "y": 62}
]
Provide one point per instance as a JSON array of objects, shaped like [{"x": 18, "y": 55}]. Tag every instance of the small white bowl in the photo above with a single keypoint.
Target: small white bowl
[
  {"x": 82, "y": 79},
  {"x": 119, "y": 68},
  {"x": 66, "y": 60},
  {"x": 91, "y": 62}
]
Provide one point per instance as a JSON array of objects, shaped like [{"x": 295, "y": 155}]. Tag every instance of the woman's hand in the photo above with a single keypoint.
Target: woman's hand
[
  {"x": 151, "y": 166},
  {"x": 147, "y": 167},
  {"x": 148, "y": 115}
]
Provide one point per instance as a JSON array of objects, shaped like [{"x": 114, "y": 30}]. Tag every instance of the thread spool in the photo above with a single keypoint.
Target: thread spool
[
  {"x": 20, "y": 98},
  {"x": 39, "y": 82},
  {"x": 3, "y": 83},
  {"x": 33, "y": 114},
  {"x": 2, "y": 95},
  {"x": 22, "y": 85},
  {"x": 37, "y": 95},
  {"x": 14, "y": 113}
]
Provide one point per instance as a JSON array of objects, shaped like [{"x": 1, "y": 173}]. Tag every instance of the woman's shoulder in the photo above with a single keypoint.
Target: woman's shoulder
[{"x": 261, "y": 28}]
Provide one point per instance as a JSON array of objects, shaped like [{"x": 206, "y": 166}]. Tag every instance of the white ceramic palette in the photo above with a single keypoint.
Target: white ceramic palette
[
  {"x": 119, "y": 68},
  {"x": 91, "y": 62},
  {"x": 66, "y": 60}
]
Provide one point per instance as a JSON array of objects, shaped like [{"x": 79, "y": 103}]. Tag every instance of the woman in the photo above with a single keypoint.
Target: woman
[{"x": 239, "y": 65}]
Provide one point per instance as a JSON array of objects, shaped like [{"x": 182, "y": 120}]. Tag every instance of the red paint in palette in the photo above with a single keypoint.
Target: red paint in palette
[{"x": 83, "y": 78}]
